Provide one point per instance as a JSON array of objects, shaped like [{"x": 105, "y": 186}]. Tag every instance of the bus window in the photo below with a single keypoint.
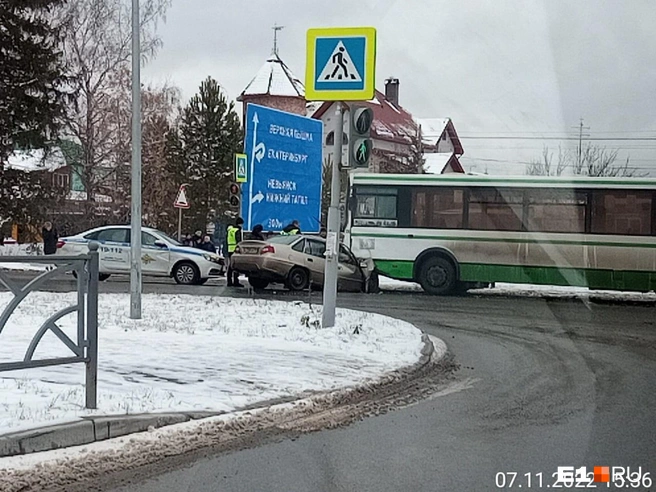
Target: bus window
[
  {"x": 440, "y": 208},
  {"x": 376, "y": 206},
  {"x": 492, "y": 209},
  {"x": 625, "y": 212},
  {"x": 555, "y": 211}
]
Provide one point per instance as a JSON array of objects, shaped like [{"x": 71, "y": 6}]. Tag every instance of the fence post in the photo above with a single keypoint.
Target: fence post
[{"x": 92, "y": 328}]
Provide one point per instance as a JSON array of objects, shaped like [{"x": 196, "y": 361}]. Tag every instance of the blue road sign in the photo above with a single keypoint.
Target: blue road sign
[
  {"x": 284, "y": 154},
  {"x": 341, "y": 64}
]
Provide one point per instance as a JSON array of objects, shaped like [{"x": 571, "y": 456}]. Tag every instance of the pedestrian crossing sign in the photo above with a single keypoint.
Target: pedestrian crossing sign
[{"x": 341, "y": 64}]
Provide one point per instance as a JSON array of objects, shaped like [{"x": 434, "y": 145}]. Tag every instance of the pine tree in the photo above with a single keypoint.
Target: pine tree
[
  {"x": 32, "y": 100},
  {"x": 210, "y": 134}
]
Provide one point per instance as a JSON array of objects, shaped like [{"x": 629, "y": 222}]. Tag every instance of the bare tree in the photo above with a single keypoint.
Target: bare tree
[
  {"x": 598, "y": 161},
  {"x": 594, "y": 161},
  {"x": 97, "y": 47},
  {"x": 545, "y": 165}
]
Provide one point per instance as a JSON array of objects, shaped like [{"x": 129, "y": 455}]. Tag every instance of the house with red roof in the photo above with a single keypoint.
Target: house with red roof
[
  {"x": 398, "y": 138},
  {"x": 442, "y": 147}
]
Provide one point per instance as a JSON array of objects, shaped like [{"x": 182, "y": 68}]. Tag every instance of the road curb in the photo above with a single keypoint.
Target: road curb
[{"x": 91, "y": 429}]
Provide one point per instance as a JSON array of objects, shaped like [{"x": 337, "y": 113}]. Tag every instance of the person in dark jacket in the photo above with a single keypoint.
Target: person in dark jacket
[
  {"x": 197, "y": 239},
  {"x": 256, "y": 233},
  {"x": 50, "y": 238},
  {"x": 207, "y": 245},
  {"x": 291, "y": 229}
]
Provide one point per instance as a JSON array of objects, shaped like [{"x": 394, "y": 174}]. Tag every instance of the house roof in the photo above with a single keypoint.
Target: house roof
[
  {"x": 36, "y": 160},
  {"x": 391, "y": 122},
  {"x": 274, "y": 79},
  {"x": 437, "y": 163},
  {"x": 432, "y": 130}
]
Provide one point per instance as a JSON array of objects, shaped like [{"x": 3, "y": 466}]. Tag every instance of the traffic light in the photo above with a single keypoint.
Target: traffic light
[
  {"x": 235, "y": 195},
  {"x": 360, "y": 144}
]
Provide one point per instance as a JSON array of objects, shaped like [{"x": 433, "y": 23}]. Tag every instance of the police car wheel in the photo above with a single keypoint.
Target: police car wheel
[{"x": 186, "y": 274}]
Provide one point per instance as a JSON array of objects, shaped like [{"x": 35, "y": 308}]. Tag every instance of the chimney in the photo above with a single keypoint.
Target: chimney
[{"x": 392, "y": 90}]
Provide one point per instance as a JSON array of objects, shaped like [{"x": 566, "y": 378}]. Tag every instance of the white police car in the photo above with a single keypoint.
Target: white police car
[{"x": 161, "y": 255}]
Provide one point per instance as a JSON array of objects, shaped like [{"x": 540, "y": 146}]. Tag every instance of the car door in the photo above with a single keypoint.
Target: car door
[
  {"x": 349, "y": 276},
  {"x": 315, "y": 261},
  {"x": 155, "y": 258},
  {"x": 114, "y": 250}
]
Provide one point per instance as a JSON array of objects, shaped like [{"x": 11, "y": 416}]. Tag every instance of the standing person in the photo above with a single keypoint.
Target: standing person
[
  {"x": 257, "y": 234},
  {"x": 323, "y": 233},
  {"x": 197, "y": 239},
  {"x": 235, "y": 236},
  {"x": 50, "y": 238},
  {"x": 291, "y": 229},
  {"x": 207, "y": 244}
]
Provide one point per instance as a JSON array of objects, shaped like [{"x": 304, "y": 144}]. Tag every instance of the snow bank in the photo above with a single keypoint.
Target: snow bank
[
  {"x": 21, "y": 250},
  {"x": 194, "y": 353}
]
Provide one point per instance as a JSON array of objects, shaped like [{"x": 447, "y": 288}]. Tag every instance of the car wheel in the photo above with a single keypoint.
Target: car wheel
[
  {"x": 437, "y": 276},
  {"x": 258, "y": 283},
  {"x": 186, "y": 273},
  {"x": 298, "y": 279}
]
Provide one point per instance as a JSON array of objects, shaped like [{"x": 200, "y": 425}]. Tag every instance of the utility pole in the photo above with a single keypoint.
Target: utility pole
[
  {"x": 332, "y": 233},
  {"x": 135, "y": 217},
  {"x": 580, "y": 149}
]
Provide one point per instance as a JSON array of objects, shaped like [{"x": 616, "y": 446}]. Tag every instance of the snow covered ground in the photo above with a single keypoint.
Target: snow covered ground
[
  {"x": 530, "y": 290},
  {"x": 20, "y": 250},
  {"x": 194, "y": 353}
]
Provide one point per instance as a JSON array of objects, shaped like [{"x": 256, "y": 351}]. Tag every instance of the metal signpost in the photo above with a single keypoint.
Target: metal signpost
[
  {"x": 341, "y": 66},
  {"x": 135, "y": 218},
  {"x": 181, "y": 203},
  {"x": 284, "y": 154}
]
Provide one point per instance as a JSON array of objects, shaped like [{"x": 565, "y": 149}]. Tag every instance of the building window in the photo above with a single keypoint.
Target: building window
[
  {"x": 330, "y": 139},
  {"x": 61, "y": 180}
]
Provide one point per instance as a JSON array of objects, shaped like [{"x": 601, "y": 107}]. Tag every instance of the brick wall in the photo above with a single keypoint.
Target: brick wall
[{"x": 294, "y": 105}]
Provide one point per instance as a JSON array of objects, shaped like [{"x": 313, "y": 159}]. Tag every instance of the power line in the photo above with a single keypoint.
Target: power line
[{"x": 606, "y": 139}]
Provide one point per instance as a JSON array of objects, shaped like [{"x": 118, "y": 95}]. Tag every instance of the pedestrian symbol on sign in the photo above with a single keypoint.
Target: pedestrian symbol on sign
[{"x": 340, "y": 66}]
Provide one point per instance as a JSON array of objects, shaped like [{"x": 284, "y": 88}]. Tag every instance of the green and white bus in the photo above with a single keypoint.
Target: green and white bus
[{"x": 451, "y": 231}]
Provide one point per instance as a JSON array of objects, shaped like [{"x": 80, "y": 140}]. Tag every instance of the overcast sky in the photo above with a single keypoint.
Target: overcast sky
[{"x": 528, "y": 68}]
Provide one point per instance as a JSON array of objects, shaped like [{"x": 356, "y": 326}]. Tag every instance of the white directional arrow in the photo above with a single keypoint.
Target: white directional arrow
[
  {"x": 258, "y": 198},
  {"x": 257, "y": 153}
]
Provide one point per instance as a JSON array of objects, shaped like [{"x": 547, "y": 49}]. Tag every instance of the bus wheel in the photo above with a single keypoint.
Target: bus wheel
[{"x": 437, "y": 276}]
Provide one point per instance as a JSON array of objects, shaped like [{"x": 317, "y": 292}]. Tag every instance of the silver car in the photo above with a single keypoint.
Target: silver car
[{"x": 298, "y": 262}]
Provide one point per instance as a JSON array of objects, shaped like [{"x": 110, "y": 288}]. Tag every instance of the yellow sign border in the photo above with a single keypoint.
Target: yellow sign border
[{"x": 366, "y": 94}]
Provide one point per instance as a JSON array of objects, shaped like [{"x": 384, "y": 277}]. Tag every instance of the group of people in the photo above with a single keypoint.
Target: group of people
[{"x": 200, "y": 241}]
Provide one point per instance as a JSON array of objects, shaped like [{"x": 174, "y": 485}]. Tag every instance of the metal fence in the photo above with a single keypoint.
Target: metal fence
[{"x": 85, "y": 348}]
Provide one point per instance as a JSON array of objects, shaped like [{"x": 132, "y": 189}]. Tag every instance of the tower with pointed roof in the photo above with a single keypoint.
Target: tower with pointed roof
[{"x": 275, "y": 86}]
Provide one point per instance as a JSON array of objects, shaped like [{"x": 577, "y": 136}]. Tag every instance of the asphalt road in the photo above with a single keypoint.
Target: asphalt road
[{"x": 542, "y": 384}]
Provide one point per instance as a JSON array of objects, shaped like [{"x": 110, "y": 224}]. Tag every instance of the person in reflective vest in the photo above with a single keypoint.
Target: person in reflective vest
[
  {"x": 235, "y": 236},
  {"x": 291, "y": 229}
]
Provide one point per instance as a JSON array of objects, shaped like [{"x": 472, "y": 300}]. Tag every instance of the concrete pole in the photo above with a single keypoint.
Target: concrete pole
[
  {"x": 135, "y": 219},
  {"x": 332, "y": 236}
]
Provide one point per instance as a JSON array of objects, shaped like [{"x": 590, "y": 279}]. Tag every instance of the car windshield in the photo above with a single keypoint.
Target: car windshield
[
  {"x": 283, "y": 239},
  {"x": 168, "y": 238}
]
